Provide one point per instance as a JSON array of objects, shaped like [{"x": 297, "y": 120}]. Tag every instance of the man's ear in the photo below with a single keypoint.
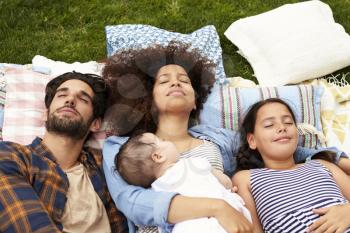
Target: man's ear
[
  {"x": 158, "y": 158},
  {"x": 96, "y": 125},
  {"x": 45, "y": 115},
  {"x": 251, "y": 141}
]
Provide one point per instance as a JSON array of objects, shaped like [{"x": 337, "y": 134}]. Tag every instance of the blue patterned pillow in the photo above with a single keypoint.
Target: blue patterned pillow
[
  {"x": 226, "y": 107},
  {"x": 130, "y": 36}
]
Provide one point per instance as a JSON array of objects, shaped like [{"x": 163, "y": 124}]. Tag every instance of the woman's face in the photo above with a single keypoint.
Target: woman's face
[
  {"x": 173, "y": 91},
  {"x": 275, "y": 133}
]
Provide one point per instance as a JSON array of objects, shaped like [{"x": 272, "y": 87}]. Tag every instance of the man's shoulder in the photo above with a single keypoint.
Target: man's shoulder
[
  {"x": 7, "y": 146},
  {"x": 13, "y": 154},
  {"x": 94, "y": 153}
]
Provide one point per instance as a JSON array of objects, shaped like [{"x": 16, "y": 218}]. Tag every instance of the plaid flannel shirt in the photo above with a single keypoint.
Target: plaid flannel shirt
[{"x": 33, "y": 189}]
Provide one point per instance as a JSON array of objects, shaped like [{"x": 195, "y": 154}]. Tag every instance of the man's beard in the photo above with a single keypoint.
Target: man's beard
[{"x": 75, "y": 129}]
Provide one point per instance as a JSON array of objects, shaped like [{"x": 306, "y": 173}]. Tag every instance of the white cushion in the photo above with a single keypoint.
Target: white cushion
[{"x": 292, "y": 43}]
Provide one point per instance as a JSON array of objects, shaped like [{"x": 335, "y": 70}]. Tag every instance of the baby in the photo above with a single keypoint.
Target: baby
[{"x": 146, "y": 160}]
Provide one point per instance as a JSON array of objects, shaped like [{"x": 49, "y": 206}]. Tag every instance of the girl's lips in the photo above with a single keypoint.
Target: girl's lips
[{"x": 282, "y": 139}]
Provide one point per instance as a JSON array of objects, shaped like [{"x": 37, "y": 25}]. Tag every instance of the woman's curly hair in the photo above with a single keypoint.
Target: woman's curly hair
[{"x": 131, "y": 75}]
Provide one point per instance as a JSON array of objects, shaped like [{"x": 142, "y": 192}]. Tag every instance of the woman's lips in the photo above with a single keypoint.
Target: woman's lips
[{"x": 176, "y": 93}]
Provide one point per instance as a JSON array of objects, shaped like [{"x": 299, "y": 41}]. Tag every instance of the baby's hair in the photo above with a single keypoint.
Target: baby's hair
[
  {"x": 134, "y": 162},
  {"x": 248, "y": 158}
]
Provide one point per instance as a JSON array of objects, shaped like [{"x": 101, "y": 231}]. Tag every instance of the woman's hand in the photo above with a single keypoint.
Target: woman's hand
[
  {"x": 222, "y": 178},
  {"x": 332, "y": 219},
  {"x": 232, "y": 220}
]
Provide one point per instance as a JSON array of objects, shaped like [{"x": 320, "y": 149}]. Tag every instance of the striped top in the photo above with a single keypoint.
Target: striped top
[
  {"x": 208, "y": 151},
  {"x": 285, "y": 199}
]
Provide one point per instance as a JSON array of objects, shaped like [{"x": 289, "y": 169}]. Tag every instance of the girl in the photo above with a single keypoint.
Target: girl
[{"x": 281, "y": 195}]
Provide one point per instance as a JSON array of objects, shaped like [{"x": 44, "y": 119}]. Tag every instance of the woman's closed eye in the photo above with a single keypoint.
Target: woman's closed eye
[
  {"x": 184, "y": 79},
  {"x": 163, "y": 80}
]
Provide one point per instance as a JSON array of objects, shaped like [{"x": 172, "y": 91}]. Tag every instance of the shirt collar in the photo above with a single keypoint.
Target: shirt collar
[{"x": 42, "y": 150}]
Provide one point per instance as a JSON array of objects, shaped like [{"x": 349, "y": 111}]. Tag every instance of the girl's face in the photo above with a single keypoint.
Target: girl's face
[
  {"x": 173, "y": 91},
  {"x": 275, "y": 133}
]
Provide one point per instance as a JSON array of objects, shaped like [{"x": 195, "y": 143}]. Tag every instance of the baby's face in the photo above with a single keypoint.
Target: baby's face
[{"x": 165, "y": 148}]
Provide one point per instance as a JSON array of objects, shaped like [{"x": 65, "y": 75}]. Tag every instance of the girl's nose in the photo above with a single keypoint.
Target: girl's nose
[{"x": 282, "y": 128}]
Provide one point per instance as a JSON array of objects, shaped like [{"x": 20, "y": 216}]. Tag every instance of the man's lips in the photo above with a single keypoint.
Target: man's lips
[{"x": 68, "y": 109}]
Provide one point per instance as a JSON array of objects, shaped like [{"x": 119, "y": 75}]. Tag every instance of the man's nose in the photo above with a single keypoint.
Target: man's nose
[{"x": 70, "y": 100}]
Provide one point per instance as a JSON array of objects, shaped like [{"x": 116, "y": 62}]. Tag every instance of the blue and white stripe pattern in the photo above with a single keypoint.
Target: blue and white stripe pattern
[
  {"x": 131, "y": 36},
  {"x": 285, "y": 199}
]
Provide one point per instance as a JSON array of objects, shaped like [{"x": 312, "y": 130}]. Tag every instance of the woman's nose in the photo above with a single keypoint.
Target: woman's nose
[{"x": 175, "y": 82}]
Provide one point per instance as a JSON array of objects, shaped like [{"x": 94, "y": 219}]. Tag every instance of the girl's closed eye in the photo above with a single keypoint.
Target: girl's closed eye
[{"x": 268, "y": 125}]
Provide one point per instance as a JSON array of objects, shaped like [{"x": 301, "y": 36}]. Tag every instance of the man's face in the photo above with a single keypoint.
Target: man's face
[{"x": 71, "y": 110}]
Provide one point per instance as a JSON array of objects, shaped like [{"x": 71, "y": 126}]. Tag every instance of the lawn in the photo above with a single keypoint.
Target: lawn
[{"x": 69, "y": 30}]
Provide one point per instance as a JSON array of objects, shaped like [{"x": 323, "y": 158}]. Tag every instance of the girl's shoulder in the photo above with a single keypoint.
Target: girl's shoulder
[{"x": 241, "y": 177}]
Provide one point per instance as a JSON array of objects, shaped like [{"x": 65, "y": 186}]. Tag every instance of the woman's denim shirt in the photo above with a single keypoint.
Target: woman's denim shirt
[{"x": 147, "y": 207}]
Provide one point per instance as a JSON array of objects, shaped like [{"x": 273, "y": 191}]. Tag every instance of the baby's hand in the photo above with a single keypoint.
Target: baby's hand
[
  {"x": 223, "y": 179},
  {"x": 234, "y": 189}
]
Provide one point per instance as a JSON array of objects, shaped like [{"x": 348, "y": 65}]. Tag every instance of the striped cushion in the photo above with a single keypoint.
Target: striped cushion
[{"x": 227, "y": 105}]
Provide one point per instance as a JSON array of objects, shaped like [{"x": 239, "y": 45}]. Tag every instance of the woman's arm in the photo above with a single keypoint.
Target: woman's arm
[
  {"x": 222, "y": 178},
  {"x": 242, "y": 180},
  {"x": 148, "y": 207},
  {"x": 334, "y": 218},
  {"x": 184, "y": 208}
]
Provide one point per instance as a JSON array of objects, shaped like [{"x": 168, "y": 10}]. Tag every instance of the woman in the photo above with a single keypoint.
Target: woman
[{"x": 161, "y": 90}]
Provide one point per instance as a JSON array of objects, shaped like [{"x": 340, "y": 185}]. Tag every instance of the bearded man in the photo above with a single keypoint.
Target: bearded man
[{"x": 55, "y": 184}]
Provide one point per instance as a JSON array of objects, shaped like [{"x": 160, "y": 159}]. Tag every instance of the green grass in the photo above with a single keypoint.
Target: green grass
[{"x": 69, "y": 30}]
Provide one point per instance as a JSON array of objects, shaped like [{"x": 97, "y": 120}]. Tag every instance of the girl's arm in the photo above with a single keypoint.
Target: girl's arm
[
  {"x": 344, "y": 164},
  {"x": 242, "y": 180},
  {"x": 334, "y": 218},
  {"x": 339, "y": 177}
]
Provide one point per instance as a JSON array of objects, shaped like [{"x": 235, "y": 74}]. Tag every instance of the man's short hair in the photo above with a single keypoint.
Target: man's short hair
[{"x": 97, "y": 84}]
